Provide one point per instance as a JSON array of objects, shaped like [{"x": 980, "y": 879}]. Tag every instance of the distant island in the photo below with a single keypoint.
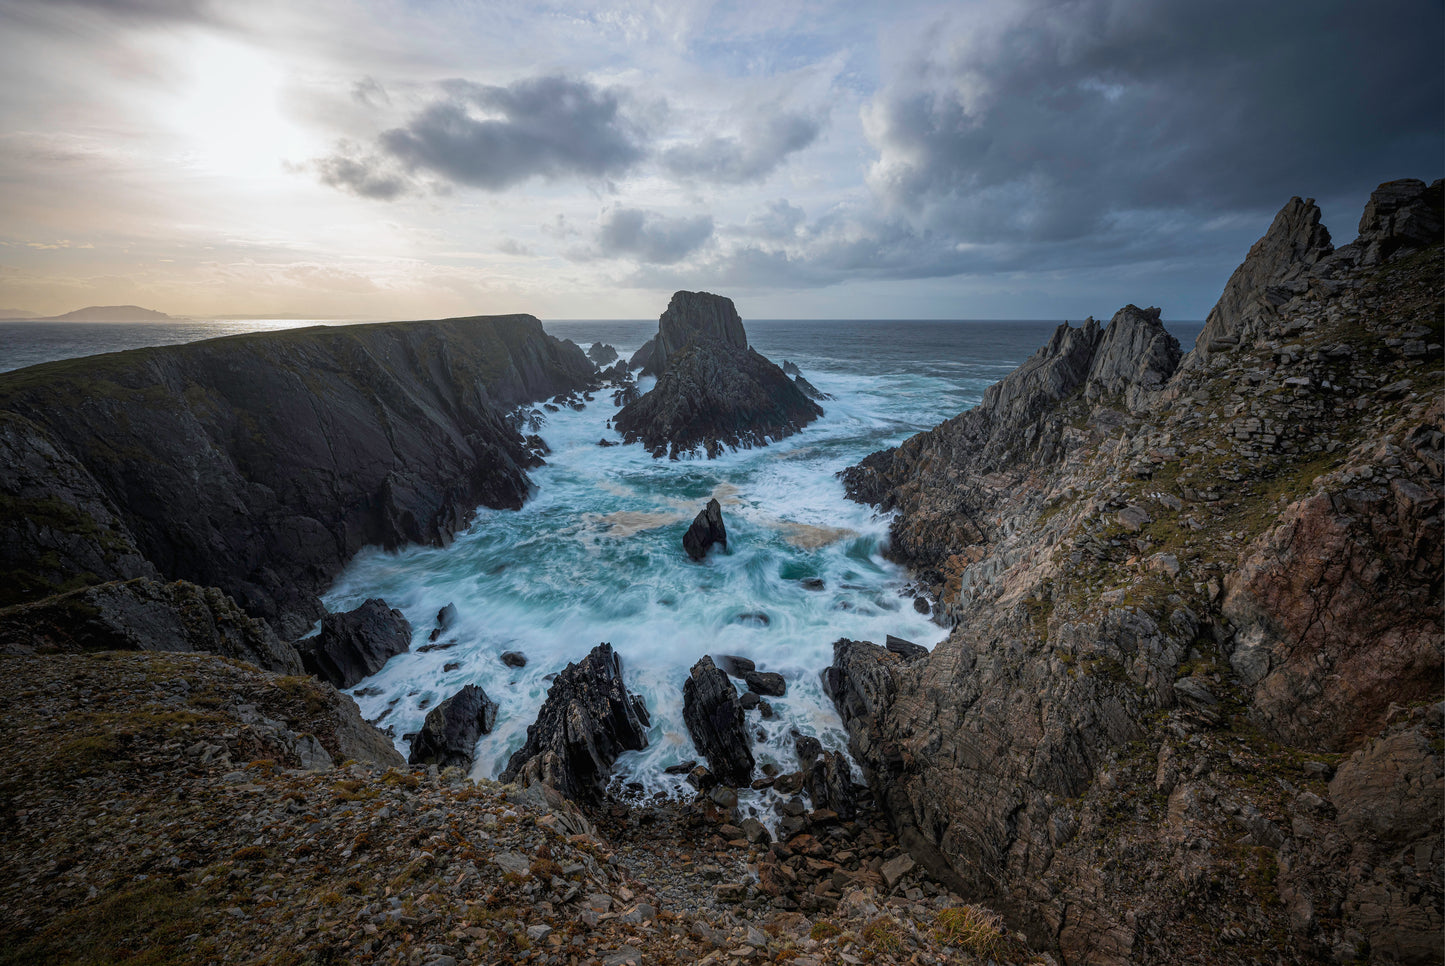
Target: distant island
[{"x": 109, "y": 313}]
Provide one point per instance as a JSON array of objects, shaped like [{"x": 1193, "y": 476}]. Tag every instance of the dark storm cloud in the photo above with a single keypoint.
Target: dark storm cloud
[
  {"x": 648, "y": 237},
  {"x": 494, "y": 137},
  {"x": 1063, "y": 120},
  {"x": 763, "y": 145}
]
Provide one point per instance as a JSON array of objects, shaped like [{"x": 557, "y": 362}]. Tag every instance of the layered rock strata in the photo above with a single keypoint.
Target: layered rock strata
[
  {"x": 713, "y": 391},
  {"x": 260, "y": 464},
  {"x": 714, "y": 719},
  {"x": 1191, "y": 707},
  {"x": 588, "y": 719}
]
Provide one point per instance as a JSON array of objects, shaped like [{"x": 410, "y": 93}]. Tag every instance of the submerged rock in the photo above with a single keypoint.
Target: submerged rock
[
  {"x": 588, "y": 719},
  {"x": 734, "y": 665},
  {"x": 714, "y": 719},
  {"x": 355, "y": 644},
  {"x": 450, "y": 733},
  {"x": 514, "y": 659},
  {"x": 706, "y": 529},
  {"x": 446, "y": 617},
  {"x": 713, "y": 392}
]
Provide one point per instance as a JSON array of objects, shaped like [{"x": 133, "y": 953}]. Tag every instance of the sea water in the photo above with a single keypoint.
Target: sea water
[{"x": 596, "y": 553}]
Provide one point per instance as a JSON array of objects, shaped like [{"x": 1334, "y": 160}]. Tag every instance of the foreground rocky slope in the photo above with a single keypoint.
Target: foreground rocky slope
[
  {"x": 713, "y": 392},
  {"x": 160, "y": 808},
  {"x": 260, "y": 464},
  {"x": 1191, "y": 710}
]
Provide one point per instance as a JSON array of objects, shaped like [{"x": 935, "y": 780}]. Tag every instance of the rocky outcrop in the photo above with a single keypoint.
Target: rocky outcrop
[
  {"x": 827, "y": 777},
  {"x": 588, "y": 719},
  {"x": 260, "y": 464},
  {"x": 145, "y": 615},
  {"x": 355, "y": 644},
  {"x": 714, "y": 719},
  {"x": 449, "y": 736},
  {"x": 602, "y": 354},
  {"x": 705, "y": 531},
  {"x": 1183, "y": 588},
  {"x": 713, "y": 392},
  {"x": 693, "y": 316}
]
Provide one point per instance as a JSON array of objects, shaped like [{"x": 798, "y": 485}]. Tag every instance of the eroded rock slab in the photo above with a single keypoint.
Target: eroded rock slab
[{"x": 355, "y": 644}]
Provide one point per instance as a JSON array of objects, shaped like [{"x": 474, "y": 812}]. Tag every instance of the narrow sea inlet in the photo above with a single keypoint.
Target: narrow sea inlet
[{"x": 596, "y": 555}]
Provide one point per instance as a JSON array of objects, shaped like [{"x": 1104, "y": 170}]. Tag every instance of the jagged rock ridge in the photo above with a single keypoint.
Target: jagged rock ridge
[{"x": 1189, "y": 591}]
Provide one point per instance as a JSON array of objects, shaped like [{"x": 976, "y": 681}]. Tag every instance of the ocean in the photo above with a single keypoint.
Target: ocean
[{"x": 596, "y": 555}]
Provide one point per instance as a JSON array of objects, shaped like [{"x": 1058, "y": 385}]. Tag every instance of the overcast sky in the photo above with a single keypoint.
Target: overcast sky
[{"x": 386, "y": 159}]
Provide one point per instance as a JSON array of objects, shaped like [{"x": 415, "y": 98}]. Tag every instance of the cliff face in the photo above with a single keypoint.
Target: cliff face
[
  {"x": 259, "y": 464},
  {"x": 1191, "y": 708}
]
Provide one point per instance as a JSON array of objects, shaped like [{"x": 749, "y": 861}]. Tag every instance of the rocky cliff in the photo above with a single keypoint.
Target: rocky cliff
[
  {"x": 260, "y": 464},
  {"x": 713, "y": 392},
  {"x": 1191, "y": 708}
]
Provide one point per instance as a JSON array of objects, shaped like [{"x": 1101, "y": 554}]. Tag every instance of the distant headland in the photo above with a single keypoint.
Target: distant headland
[{"x": 94, "y": 313}]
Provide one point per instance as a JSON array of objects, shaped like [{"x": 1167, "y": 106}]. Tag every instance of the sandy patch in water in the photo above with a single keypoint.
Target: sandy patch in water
[
  {"x": 805, "y": 536},
  {"x": 625, "y": 523}
]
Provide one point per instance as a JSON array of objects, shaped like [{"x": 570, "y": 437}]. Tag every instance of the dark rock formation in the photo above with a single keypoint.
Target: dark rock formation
[
  {"x": 261, "y": 463},
  {"x": 355, "y": 644},
  {"x": 145, "y": 615},
  {"x": 514, "y": 659},
  {"x": 714, "y": 718},
  {"x": 588, "y": 719},
  {"x": 693, "y": 316},
  {"x": 1180, "y": 587},
  {"x": 907, "y": 650},
  {"x": 734, "y": 665},
  {"x": 642, "y": 358},
  {"x": 602, "y": 354},
  {"x": 446, "y": 617},
  {"x": 810, "y": 390},
  {"x": 712, "y": 392},
  {"x": 827, "y": 777},
  {"x": 452, "y": 729},
  {"x": 706, "y": 529},
  {"x": 766, "y": 682}
]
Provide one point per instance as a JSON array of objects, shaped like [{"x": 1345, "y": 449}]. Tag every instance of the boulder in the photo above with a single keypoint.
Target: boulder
[
  {"x": 766, "y": 682},
  {"x": 734, "y": 665},
  {"x": 450, "y": 733},
  {"x": 602, "y": 354},
  {"x": 588, "y": 719},
  {"x": 714, "y": 718},
  {"x": 707, "y": 529},
  {"x": 907, "y": 650},
  {"x": 355, "y": 644},
  {"x": 514, "y": 659}
]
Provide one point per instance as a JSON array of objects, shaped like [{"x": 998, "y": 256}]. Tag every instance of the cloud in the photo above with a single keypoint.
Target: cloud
[
  {"x": 366, "y": 176},
  {"x": 493, "y": 138},
  {"x": 778, "y": 220},
  {"x": 1053, "y": 121},
  {"x": 763, "y": 144},
  {"x": 647, "y": 236}
]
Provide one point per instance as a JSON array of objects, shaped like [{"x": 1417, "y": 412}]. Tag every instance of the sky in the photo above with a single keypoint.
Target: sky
[{"x": 377, "y": 159}]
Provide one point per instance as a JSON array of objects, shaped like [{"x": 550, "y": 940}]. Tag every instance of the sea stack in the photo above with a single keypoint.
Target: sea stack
[{"x": 713, "y": 391}]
